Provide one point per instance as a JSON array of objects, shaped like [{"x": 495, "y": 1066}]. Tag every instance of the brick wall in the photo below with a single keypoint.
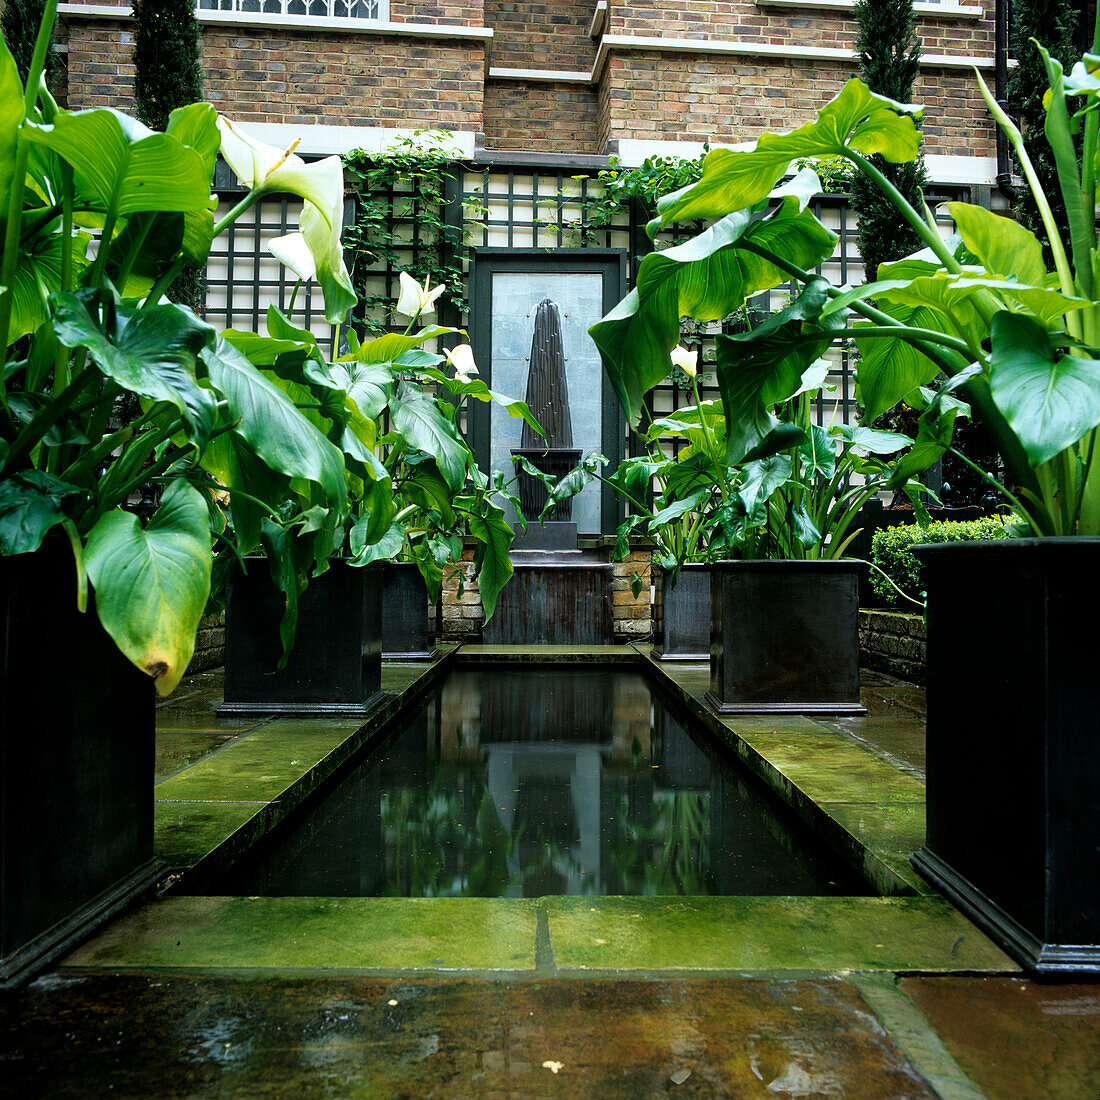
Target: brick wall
[
  {"x": 689, "y": 97},
  {"x": 209, "y": 644},
  {"x": 541, "y": 117},
  {"x": 260, "y": 76},
  {"x": 541, "y": 34},
  {"x": 748, "y": 20},
  {"x": 893, "y": 642}
]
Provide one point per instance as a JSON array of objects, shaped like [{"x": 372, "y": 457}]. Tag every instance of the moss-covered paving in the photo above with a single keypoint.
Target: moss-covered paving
[{"x": 554, "y": 996}]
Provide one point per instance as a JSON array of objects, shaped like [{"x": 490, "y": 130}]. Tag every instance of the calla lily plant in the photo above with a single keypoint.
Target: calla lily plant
[
  {"x": 107, "y": 387},
  {"x": 1018, "y": 344}
]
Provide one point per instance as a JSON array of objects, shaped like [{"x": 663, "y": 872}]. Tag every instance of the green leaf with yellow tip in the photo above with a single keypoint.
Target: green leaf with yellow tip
[{"x": 151, "y": 584}]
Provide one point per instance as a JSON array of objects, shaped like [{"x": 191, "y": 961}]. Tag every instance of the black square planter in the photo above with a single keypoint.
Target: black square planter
[
  {"x": 681, "y": 613},
  {"x": 1013, "y": 834},
  {"x": 335, "y": 666},
  {"x": 76, "y": 779},
  {"x": 410, "y": 631},
  {"x": 785, "y": 637}
]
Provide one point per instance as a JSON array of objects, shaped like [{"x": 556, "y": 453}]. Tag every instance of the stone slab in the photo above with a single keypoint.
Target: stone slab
[
  {"x": 745, "y": 934},
  {"x": 474, "y": 934}
]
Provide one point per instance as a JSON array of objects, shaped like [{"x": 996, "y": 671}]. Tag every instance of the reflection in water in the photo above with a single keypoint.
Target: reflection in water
[{"x": 515, "y": 783}]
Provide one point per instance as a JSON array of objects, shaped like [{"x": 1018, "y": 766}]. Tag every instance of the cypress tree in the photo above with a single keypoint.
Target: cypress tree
[
  {"x": 889, "y": 58},
  {"x": 19, "y": 23},
  {"x": 1053, "y": 23},
  {"x": 166, "y": 59},
  {"x": 168, "y": 74}
]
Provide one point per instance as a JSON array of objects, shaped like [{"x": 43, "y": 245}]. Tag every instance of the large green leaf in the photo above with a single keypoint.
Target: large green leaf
[
  {"x": 417, "y": 417},
  {"x": 38, "y": 275},
  {"x": 1003, "y": 246},
  {"x": 1049, "y": 400},
  {"x": 273, "y": 427},
  {"x": 761, "y": 479},
  {"x": 369, "y": 385},
  {"x": 890, "y": 369},
  {"x": 121, "y": 166},
  {"x": 479, "y": 391},
  {"x": 856, "y": 119},
  {"x": 150, "y": 352},
  {"x": 151, "y": 585},
  {"x": 491, "y": 558},
  {"x": 11, "y": 117},
  {"x": 758, "y": 369},
  {"x": 706, "y": 278},
  {"x": 31, "y": 504},
  {"x": 392, "y": 345}
]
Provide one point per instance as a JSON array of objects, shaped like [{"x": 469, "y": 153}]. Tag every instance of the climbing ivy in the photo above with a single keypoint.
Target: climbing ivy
[{"x": 403, "y": 223}]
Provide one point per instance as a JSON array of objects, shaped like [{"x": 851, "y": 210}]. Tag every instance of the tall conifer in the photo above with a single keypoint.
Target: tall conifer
[
  {"x": 168, "y": 74},
  {"x": 889, "y": 58},
  {"x": 19, "y": 23},
  {"x": 166, "y": 59}
]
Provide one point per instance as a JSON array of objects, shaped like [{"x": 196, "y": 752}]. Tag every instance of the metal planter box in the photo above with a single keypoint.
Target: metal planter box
[
  {"x": 1013, "y": 834},
  {"x": 785, "y": 637},
  {"x": 76, "y": 782},
  {"x": 335, "y": 666}
]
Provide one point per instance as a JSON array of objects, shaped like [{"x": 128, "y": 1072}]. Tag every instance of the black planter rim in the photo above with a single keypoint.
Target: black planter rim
[
  {"x": 1024, "y": 548},
  {"x": 787, "y": 565}
]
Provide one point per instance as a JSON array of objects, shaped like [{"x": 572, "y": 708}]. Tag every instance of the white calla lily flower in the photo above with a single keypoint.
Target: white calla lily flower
[
  {"x": 265, "y": 169},
  {"x": 687, "y": 361},
  {"x": 293, "y": 252},
  {"x": 416, "y": 300},
  {"x": 462, "y": 359}
]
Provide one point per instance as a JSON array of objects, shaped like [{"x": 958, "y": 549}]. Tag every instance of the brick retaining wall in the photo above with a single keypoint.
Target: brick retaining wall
[{"x": 893, "y": 642}]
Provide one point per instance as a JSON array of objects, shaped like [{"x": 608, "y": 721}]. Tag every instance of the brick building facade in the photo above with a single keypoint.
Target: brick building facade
[{"x": 558, "y": 77}]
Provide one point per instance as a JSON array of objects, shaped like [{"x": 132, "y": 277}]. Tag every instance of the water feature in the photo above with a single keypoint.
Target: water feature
[{"x": 523, "y": 783}]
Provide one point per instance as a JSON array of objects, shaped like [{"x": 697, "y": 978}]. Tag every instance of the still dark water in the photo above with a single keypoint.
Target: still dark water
[{"x": 515, "y": 783}]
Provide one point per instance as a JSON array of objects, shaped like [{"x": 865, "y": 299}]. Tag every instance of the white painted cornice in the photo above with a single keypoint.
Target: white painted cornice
[{"x": 330, "y": 24}]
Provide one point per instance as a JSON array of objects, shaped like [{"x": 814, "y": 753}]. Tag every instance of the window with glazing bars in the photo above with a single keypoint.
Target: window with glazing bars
[{"x": 333, "y": 9}]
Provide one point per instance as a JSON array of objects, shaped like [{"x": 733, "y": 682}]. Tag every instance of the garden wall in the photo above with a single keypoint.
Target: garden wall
[
  {"x": 893, "y": 642},
  {"x": 209, "y": 644},
  {"x": 463, "y": 615}
]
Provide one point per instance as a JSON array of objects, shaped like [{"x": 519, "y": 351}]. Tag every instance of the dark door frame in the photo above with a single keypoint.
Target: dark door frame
[{"x": 611, "y": 263}]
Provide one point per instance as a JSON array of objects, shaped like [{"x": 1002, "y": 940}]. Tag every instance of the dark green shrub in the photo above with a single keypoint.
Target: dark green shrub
[
  {"x": 19, "y": 23},
  {"x": 891, "y": 552}
]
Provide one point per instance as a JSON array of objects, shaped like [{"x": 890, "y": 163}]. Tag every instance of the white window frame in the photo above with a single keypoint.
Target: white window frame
[{"x": 309, "y": 9}]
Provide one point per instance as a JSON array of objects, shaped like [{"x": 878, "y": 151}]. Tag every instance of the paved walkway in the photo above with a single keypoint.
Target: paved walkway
[{"x": 888, "y": 996}]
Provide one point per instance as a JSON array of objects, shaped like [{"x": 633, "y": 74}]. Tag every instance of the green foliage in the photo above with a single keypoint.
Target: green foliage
[
  {"x": 1019, "y": 345},
  {"x": 167, "y": 68},
  {"x": 105, "y": 390},
  {"x": 617, "y": 186},
  {"x": 1052, "y": 22},
  {"x": 889, "y": 60},
  {"x": 891, "y": 551},
  {"x": 19, "y": 23},
  {"x": 402, "y": 221}
]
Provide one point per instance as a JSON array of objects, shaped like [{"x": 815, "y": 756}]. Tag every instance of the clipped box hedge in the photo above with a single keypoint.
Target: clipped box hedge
[{"x": 891, "y": 551}]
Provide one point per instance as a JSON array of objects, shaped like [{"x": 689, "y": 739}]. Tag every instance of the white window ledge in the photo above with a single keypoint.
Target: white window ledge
[
  {"x": 229, "y": 19},
  {"x": 923, "y": 10},
  {"x": 539, "y": 76},
  {"x": 764, "y": 49}
]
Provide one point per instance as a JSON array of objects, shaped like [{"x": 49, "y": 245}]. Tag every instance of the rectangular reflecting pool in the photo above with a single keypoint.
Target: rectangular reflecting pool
[{"x": 523, "y": 783}]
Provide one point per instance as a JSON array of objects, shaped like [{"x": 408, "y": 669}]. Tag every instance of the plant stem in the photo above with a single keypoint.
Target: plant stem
[
  {"x": 927, "y": 233},
  {"x": 14, "y": 225},
  {"x": 43, "y": 420}
]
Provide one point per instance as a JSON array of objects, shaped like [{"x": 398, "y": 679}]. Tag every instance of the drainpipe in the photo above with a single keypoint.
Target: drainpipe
[{"x": 1002, "y": 16}]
